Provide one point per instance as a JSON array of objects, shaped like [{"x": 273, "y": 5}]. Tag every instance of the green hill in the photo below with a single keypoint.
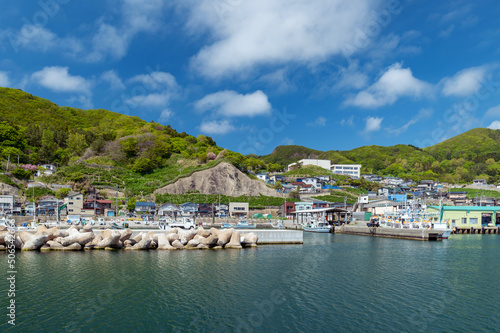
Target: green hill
[
  {"x": 104, "y": 148},
  {"x": 475, "y": 153}
]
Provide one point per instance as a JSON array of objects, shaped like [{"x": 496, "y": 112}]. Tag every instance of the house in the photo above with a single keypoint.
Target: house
[
  {"x": 144, "y": 207},
  {"x": 263, "y": 177},
  {"x": 323, "y": 179},
  {"x": 238, "y": 209},
  {"x": 458, "y": 198},
  {"x": 74, "y": 203},
  {"x": 307, "y": 188},
  {"x": 277, "y": 178},
  {"x": 311, "y": 181},
  {"x": 10, "y": 204},
  {"x": 290, "y": 207},
  {"x": 206, "y": 210},
  {"x": 189, "y": 209},
  {"x": 46, "y": 170},
  {"x": 352, "y": 170},
  {"x": 96, "y": 207},
  {"x": 479, "y": 182},
  {"x": 29, "y": 208},
  {"x": 303, "y": 205},
  {"x": 484, "y": 201},
  {"x": 381, "y": 206},
  {"x": 48, "y": 206},
  {"x": 221, "y": 210},
  {"x": 169, "y": 209}
]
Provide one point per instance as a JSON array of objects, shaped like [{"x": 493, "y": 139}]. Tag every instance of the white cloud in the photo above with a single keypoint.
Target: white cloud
[
  {"x": 165, "y": 116},
  {"x": 465, "y": 82},
  {"x": 107, "y": 42},
  {"x": 58, "y": 79},
  {"x": 319, "y": 122},
  {"x": 423, "y": 113},
  {"x": 217, "y": 127},
  {"x": 231, "y": 103},
  {"x": 373, "y": 124},
  {"x": 493, "y": 112},
  {"x": 158, "y": 87},
  {"x": 156, "y": 80},
  {"x": 396, "y": 82},
  {"x": 150, "y": 100},
  {"x": 495, "y": 125},
  {"x": 287, "y": 141},
  {"x": 247, "y": 34},
  {"x": 4, "y": 80},
  {"x": 113, "y": 79},
  {"x": 351, "y": 77}
]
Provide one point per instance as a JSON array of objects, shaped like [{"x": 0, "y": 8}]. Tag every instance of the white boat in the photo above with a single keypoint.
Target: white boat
[
  {"x": 415, "y": 217},
  {"x": 278, "y": 225},
  {"x": 315, "y": 226}
]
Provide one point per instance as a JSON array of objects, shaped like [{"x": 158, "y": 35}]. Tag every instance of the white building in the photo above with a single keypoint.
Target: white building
[
  {"x": 352, "y": 170},
  {"x": 263, "y": 177},
  {"x": 238, "y": 209},
  {"x": 325, "y": 164}
]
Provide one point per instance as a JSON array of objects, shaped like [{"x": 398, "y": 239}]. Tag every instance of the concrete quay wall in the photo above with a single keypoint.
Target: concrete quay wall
[{"x": 418, "y": 234}]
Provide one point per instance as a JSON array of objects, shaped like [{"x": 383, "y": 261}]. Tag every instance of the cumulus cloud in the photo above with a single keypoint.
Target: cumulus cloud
[
  {"x": 495, "y": 125},
  {"x": 493, "y": 112},
  {"x": 105, "y": 41},
  {"x": 231, "y": 103},
  {"x": 4, "y": 80},
  {"x": 373, "y": 124},
  {"x": 158, "y": 89},
  {"x": 247, "y": 34},
  {"x": 351, "y": 77},
  {"x": 113, "y": 79},
  {"x": 216, "y": 127},
  {"x": 396, "y": 82},
  {"x": 165, "y": 116},
  {"x": 465, "y": 82},
  {"x": 156, "y": 80},
  {"x": 58, "y": 79},
  {"x": 319, "y": 122}
]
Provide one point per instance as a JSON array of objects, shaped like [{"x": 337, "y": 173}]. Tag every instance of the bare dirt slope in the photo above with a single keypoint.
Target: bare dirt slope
[{"x": 223, "y": 178}]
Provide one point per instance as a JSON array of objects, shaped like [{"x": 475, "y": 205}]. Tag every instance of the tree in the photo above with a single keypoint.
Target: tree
[
  {"x": 77, "y": 143},
  {"x": 22, "y": 174},
  {"x": 131, "y": 204},
  {"x": 62, "y": 193},
  {"x": 142, "y": 165},
  {"x": 278, "y": 186}
]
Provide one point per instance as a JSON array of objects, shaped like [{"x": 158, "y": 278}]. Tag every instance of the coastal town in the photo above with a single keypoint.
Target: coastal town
[{"x": 392, "y": 195}]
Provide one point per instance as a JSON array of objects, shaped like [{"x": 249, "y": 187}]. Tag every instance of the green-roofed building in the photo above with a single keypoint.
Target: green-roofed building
[{"x": 469, "y": 216}]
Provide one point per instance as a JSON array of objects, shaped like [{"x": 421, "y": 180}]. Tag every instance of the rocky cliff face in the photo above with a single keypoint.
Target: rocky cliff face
[
  {"x": 223, "y": 178},
  {"x": 8, "y": 189}
]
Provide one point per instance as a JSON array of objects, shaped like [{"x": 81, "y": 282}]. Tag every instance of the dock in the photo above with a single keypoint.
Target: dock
[
  {"x": 479, "y": 230},
  {"x": 415, "y": 234}
]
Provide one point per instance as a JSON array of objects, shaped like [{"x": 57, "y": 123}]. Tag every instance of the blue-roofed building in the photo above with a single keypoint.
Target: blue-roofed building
[
  {"x": 144, "y": 207},
  {"x": 189, "y": 209}
]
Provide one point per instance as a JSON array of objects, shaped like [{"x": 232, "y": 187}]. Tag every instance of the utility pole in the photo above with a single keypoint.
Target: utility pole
[{"x": 8, "y": 160}]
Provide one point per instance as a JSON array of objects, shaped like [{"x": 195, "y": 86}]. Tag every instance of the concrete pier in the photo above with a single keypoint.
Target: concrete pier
[{"x": 417, "y": 234}]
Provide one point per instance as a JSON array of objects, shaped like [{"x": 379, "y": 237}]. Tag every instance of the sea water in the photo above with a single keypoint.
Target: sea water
[{"x": 331, "y": 283}]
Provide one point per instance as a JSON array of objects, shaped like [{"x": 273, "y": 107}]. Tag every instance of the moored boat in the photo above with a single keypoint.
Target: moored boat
[{"x": 314, "y": 226}]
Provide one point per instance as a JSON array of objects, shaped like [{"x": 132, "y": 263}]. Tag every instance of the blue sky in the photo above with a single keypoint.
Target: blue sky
[{"x": 326, "y": 74}]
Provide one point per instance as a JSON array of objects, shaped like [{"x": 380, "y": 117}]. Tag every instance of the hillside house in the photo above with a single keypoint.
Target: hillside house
[
  {"x": 145, "y": 207},
  {"x": 74, "y": 203},
  {"x": 189, "y": 209},
  {"x": 169, "y": 209}
]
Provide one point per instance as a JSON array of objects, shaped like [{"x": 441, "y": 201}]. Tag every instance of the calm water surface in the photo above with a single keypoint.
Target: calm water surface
[{"x": 331, "y": 283}]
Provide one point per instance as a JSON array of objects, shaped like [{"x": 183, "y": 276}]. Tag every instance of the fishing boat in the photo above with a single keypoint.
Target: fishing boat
[
  {"x": 315, "y": 226},
  {"x": 239, "y": 225},
  {"x": 277, "y": 225}
]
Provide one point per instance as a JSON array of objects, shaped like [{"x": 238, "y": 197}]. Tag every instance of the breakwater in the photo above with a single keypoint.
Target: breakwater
[{"x": 74, "y": 239}]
